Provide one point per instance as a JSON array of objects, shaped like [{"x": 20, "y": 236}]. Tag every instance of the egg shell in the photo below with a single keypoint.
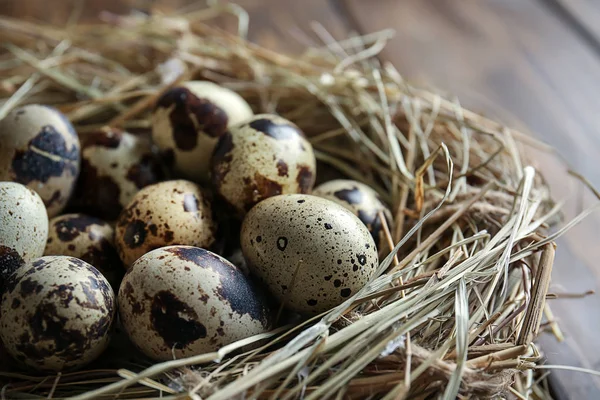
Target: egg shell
[
  {"x": 362, "y": 201},
  {"x": 180, "y": 301},
  {"x": 88, "y": 238},
  {"x": 23, "y": 227},
  {"x": 264, "y": 157},
  {"x": 40, "y": 149},
  {"x": 115, "y": 165},
  {"x": 57, "y": 313},
  {"x": 163, "y": 214},
  {"x": 312, "y": 253},
  {"x": 188, "y": 120}
]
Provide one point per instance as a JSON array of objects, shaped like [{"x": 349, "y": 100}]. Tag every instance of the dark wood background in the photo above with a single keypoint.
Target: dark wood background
[{"x": 534, "y": 64}]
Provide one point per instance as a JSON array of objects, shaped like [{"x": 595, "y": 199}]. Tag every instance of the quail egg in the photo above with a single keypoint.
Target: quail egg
[
  {"x": 57, "y": 313},
  {"x": 115, "y": 165},
  {"x": 89, "y": 239},
  {"x": 188, "y": 120},
  {"x": 263, "y": 157},
  {"x": 163, "y": 214},
  {"x": 40, "y": 149},
  {"x": 363, "y": 201},
  {"x": 311, "y": 252},
  {"x": 23, "y": 227},
  {"x": 180, "y": 301}
]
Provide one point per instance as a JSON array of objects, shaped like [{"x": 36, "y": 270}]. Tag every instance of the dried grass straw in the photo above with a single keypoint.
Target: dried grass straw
[{"x": 458, "y": 302}]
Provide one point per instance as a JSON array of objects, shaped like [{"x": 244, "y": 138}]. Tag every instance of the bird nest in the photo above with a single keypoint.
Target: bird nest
[{"x": 455, "y": 307}]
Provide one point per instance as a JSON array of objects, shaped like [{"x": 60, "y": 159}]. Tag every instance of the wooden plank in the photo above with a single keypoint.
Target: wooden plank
[
  {"x": 59, "y": 12},
  {"x": 583, "y": 15},
  {"x": 518, "y": 61},
  {"x": 282, "y": 25}
]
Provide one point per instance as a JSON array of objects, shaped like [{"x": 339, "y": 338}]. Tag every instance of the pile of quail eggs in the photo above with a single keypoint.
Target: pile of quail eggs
[{"x": 111, "y": 228}]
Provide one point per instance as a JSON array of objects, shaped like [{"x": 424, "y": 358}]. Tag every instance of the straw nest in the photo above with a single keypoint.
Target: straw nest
[{"x": 455, "y": 306}]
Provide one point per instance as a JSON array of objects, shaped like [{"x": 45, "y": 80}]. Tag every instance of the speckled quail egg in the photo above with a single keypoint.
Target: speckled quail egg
[
  {"x": 188, "y": 120},
  {"x": 311, "y": 252},
  {"x": 23, "y": 227},
  {"x": 263, "y": 157},
  {"x": 39, "y": 148},
  {"x": 363, "y": 201},
  {"x": 163, "y": 214},
  {"x": 115, "y": 165},
  {"x": 88, "y": 238},
  {"x": 57, "y": 313},
  {"x": 180, "y": 301}
]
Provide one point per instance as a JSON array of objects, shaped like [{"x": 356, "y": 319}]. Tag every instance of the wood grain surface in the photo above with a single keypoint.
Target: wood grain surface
[
  {"x": 532, "y": 64},
  {"x": 582, "y": 15}
]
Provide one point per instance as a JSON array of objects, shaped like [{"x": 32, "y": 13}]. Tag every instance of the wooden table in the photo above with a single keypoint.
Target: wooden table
[{"x": 533, "y": 64}]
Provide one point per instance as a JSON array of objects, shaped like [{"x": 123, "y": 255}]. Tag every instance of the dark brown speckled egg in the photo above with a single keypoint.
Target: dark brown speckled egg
[
  {"x": 264, "y": 157},
  {"x": 188, "y": 120},
  {"x": 115, "y": 165},
  {"x": 88, "y": 238},
  {"x": 164, "y": 214},
  {"x": 40, "y": 149},
  {"x": 180, "y": 301},
  {"x": 324, "y": 246},
  {"x": 363, "y": 201},
  {"x": 57, "y": 313}
]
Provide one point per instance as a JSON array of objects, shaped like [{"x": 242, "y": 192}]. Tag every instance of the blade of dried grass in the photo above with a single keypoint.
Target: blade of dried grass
[
  {"x": 462, "y": 339},
  {"x": 529, "y": 175},
  {"x": 438, "y": 232},
  {"x": 461, "y": 183},
  {"x": 353, "y": 129},
  {"x": 390, "y": 128},
  {"x": 54, "y": 385},
  {"x": 123, "y": 373},
  {"x": 556, "y": 331},
  {"x": 354, "y": 347},
  {"x": 284, "y": 359},
  {"x": 158, "y": 369},
  {"x": 387, "y": 261},
  {"x": 552, "y": 238},
  {"x": 369, "y": 52},
  {"x": 569, "y": 368},
  {"x": 19, "y": 95},
  {"x": 340, "y": 379},
  {"x": 52, "y": 73},
  {"x": 533, "y": 317}
]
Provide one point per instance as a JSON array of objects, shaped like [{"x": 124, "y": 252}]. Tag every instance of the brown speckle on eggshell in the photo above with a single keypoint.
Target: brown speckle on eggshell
[
  {"x": 324, "y": 246},
  {"x": 40, "y": 149},
  {"x": 264, "y": 157},
  {"x": 180, "y": 301},
  {"x": 115, "y": 165},
  {"x": 188, "y": 120},
  {"x": 362, "y": 201},
  {"x": 89, "y": 239},
  {"x": 57, "y": 313},
  {"x": 163, "y": 214},
  {"x": 23, "y": 227}
]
